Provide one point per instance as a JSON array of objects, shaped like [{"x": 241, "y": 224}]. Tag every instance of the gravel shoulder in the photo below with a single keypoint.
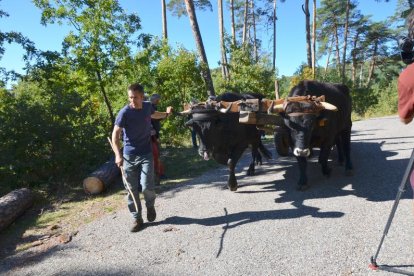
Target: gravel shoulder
[{"x": 265, "y": 228}]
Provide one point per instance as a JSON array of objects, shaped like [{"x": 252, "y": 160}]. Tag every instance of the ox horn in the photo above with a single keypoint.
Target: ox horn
[
  {"x": 329, "y": 106},
  {"x": 270, "y": 109},
  {"x": 227, "y": 109},
  {"x": 278, "y": 108}
]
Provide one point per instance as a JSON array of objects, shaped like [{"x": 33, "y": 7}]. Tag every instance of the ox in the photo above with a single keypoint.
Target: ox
[
  {"x": 311, "y": 122},
  {"x": 223, "y": 138}
]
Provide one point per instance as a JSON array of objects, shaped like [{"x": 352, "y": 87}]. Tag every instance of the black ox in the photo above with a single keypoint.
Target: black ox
[
  {"x": 223, "y": 138},
  {"x": 313, "y": 125}
]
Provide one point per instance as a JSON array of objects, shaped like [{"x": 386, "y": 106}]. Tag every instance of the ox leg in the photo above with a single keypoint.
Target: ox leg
[
  {"x": 340, "y": 149},
  {"x": 256, "y": 159},
  {"x": 251, "y": 169},
  {"x": 346, "y": 141},
  {"x": 323, "y": 160},
  {"x": 303, "y": 180},
  {"x": 232, "y": 182}
]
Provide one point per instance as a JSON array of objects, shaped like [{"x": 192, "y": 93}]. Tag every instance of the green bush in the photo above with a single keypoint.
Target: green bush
[
  {"x": 48, "y": 135},
  {"x": 246, "y": 75},
  {"x": 387, "y": 101},
  {"x": 362, "y": 100}
]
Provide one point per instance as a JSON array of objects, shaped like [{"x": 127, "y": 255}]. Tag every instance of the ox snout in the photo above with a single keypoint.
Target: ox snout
[
  {"x": 301, "y": 152},
  {"x": 202, "y": 151},
  {"x": 204, "y": 154}
]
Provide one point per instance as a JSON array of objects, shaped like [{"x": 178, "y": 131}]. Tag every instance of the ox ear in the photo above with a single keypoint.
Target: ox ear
[
  {"x": 329, "y": 106},
  {"x": 189, "y": 123}
]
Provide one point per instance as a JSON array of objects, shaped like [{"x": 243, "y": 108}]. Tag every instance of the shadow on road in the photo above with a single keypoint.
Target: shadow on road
[{"x": 375, "y": 178}]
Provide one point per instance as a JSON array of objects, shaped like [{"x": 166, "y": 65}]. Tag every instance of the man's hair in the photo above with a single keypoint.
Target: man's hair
[
  {"x": 410, "y": 25},
  {"x": 136, "y": 87}
]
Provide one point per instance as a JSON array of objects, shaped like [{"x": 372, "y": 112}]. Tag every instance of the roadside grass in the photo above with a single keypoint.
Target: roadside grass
[
  {"x": 183, "y": 164},
  {"x": 63, "y": 210}
]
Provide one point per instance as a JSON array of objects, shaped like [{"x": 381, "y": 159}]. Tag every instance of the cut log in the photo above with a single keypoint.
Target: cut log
[
  {"x": 100, "y": 179},
  {"x": 13, "y": 205}
]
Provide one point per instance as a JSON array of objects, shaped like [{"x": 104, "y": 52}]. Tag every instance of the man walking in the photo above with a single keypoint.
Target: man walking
[{"x": 134, "y": 121}]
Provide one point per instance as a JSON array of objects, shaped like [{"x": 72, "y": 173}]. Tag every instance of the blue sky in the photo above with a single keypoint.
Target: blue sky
[{"x": 291, "y": 48}]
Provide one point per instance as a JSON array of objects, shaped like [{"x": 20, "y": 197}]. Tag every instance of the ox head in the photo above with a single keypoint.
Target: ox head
[
  {"x": 301, "y": 115},
  {"x": 203, "y": 118}
]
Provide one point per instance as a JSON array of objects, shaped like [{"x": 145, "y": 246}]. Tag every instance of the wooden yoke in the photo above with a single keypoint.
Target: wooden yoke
[{"x": 253, "y": 105}]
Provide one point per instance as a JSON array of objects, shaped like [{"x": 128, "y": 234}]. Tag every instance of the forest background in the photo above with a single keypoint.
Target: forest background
[{"x": 55, "y": 116}]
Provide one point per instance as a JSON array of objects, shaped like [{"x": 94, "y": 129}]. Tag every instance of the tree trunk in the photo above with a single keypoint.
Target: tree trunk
[
  {"x": 256, "y": 55},
  {"x": 361, "y": 75},
  {"x": 233, "y": 28},
  {"x": 224, "y": 69},
  {"x": 329, "y": 56},
  {"x": 274, "y": 35},
  {"x": 305, "y": 10},
  {"x": 354, "y": 58},
  {"x": 345, "y": 41},
  {"x": 189, "y": 4},
  {"x": 164, "y": 20},
  {"x": 108, "y": 104},
  {"x": 246, "y": 8},
  {"x": 338, "y": 58},
  {"x": 314, "y": 41},
  {"x": 13, "y": 205},
  {"x": 372, "y": 66},
  {"x": 100, "y": 179}
]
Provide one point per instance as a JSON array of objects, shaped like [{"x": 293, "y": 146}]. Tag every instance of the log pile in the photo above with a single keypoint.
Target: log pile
[
  {"x": 13, "y": 205},
  {"x": 100, "y": 179}
]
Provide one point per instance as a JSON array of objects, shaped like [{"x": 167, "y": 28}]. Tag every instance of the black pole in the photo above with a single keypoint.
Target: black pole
[{"x": 401, "y": 190}]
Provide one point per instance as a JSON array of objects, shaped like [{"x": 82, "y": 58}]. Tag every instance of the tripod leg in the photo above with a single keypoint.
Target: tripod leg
[{"x": 401, "y": 190}]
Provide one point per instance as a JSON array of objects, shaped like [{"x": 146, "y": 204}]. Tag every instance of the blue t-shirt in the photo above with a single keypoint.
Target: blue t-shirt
[{"x": 136, "y": 124}]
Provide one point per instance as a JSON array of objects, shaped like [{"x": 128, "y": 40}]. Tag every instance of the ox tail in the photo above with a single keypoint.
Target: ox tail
[{"x": 264, "y": 151}]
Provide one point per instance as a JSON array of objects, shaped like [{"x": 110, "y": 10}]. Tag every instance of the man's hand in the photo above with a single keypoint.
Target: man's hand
[
  {"x": 116, "y": 133},
  {"x": 118, "y": 160},
  {"x": 169, "y": 110}
]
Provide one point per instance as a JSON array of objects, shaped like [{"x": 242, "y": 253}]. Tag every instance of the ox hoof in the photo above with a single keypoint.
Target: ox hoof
[
  {"x": 250, "y": 173},
  {"x": 233, "y": 188},
  {"x": 349, "y": 172},
  {"x": 302, "y": 187},
  {"x": 327, "y": 172}
]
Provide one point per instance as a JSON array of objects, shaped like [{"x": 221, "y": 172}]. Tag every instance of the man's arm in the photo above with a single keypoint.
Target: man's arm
[
  {"x": 161, "y": 115},
  {"x": 116, "y": 145},
  {"x": 406, "y": 120},
  {"x": 405, "y": 94}
]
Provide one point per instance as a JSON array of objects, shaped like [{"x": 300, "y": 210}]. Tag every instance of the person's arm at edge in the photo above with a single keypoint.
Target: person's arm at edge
[
  {"x": 406, "y": 120},
  {"x": 116, "y": 145},
  {"x": 405, "y": 104}
]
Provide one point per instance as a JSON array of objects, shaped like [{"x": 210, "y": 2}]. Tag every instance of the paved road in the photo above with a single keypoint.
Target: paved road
[{"x": 265, "y": 228}]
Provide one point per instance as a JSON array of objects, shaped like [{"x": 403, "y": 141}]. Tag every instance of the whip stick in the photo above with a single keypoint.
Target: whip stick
[
  {"x": 124, "y": 178},
  {"x": 401, "y": 189}
]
